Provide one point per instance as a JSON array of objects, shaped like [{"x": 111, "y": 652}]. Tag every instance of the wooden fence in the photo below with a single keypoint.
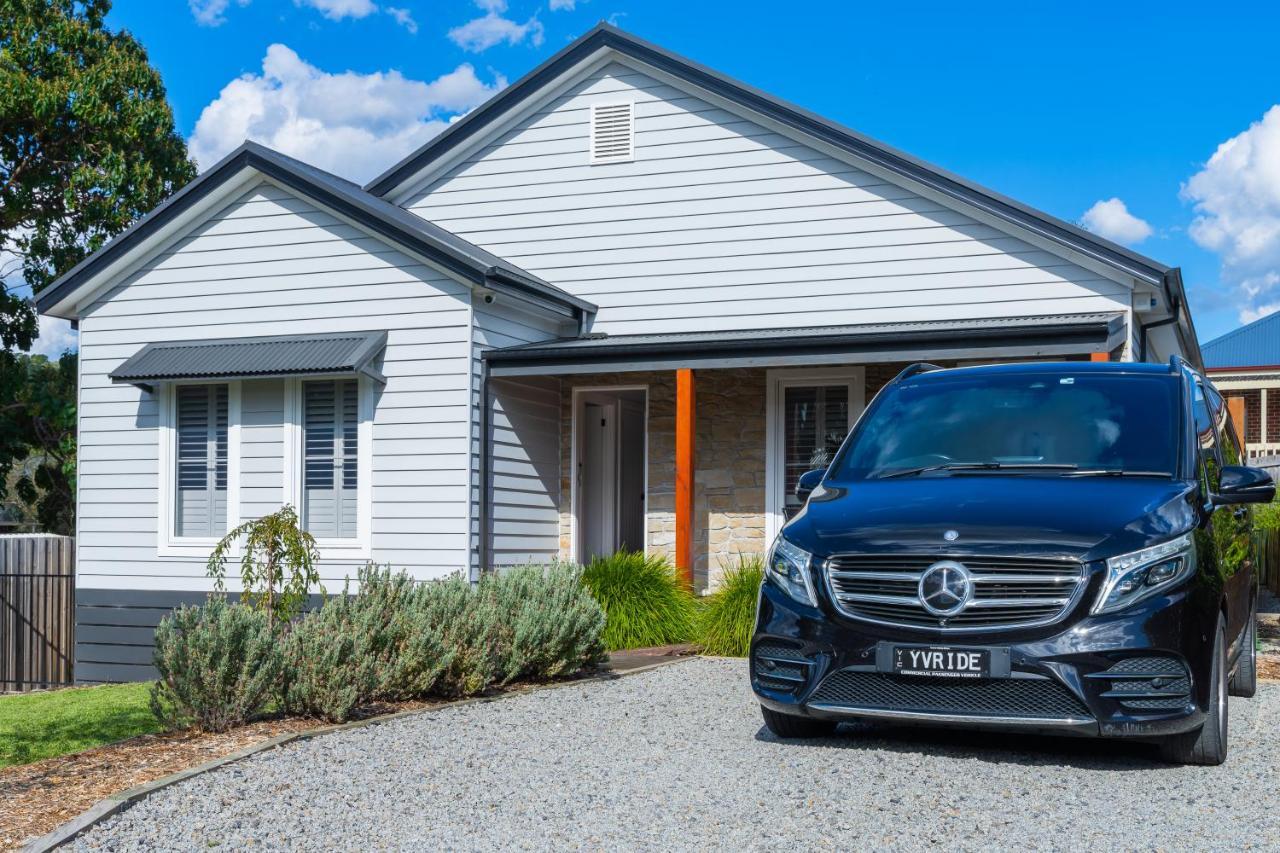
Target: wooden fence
[{"x": 37, "y": 611}]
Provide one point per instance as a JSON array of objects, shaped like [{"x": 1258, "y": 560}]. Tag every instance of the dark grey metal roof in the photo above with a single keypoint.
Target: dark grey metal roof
[
  {"x": 1097, "y": 332},
  {"x": 465, "y": 259},
  {"x": 229, "y": 358}
]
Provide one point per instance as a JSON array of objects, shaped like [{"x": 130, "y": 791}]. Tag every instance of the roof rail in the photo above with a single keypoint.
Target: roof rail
[
  {"x": 912, "y": 369},
  {"x": 1177, "y": 364}
]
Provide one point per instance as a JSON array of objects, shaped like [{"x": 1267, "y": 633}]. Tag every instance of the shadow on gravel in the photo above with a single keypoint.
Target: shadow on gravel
[{"x": 995, "y": 748}]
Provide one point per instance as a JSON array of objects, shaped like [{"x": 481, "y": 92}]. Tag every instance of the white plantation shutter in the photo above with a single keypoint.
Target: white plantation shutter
[
  {"x": 200, "y": 507},
  {"x": 612, "y": 133},
  {"x": 330, "y": 429},
  {"x": 815, "y": 421}
]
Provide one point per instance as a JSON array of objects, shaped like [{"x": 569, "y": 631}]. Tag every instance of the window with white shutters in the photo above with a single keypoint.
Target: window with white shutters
[
  {"x": 200, "y": 505},
  {"x": 330, "y": 438},
  {"x": 815, "y": 420}
]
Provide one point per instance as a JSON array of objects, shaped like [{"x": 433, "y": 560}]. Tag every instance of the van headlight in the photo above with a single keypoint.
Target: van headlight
[
  {"x": 1141, "y": 574},
  {"x": 789, "y": 565}
]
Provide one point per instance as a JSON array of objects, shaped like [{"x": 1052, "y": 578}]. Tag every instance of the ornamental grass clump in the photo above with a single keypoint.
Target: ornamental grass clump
[
  {"x": 548, "y": 625},
  {"x": 726, "y": 618},
  {"x": 218, "y": 666},
  {"x": 645, "y": 604}
]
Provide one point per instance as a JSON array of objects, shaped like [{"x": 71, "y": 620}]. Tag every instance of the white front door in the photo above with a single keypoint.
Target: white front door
[
  {"x": 609, "y": 485},
  {"x": 809, "y": 414},
  {"x": 599, "y": 479}
]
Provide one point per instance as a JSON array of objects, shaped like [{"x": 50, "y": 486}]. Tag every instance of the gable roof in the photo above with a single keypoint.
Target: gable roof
[
  {"x": 461, "y": 258},
  {"x": 607, "y": 37},
  {"x": 1252, "y": 346}
]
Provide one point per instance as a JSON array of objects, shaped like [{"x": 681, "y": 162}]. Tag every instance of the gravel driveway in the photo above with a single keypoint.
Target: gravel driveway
[{"x": 676, "y": 758}]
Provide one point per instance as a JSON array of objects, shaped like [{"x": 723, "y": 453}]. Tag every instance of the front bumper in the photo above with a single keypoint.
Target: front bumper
[{"x": 1073, "y": 678}]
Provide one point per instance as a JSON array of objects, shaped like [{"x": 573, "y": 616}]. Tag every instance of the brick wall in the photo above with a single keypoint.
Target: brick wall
[{"x": 1252, "y": 413}]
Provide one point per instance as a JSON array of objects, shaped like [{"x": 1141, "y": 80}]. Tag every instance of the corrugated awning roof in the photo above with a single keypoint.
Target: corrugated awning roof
[
  {"x": 870, "y": 342},
  {"x": 230, "y": 358}
]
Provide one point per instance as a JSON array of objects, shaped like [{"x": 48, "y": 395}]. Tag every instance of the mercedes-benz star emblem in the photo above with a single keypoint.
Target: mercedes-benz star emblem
[{"x": 945, "y": 588}]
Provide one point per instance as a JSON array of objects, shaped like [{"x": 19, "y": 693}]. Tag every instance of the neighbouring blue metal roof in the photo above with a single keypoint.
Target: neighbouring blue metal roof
[{"x": 1254, "y": 345}]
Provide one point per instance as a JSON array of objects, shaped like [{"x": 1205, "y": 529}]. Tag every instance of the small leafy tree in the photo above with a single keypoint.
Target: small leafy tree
[{"x": 277, "y": 566}]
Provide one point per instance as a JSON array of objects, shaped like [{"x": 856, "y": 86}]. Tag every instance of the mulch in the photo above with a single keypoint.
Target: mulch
[{"x": 36, "y": 798}]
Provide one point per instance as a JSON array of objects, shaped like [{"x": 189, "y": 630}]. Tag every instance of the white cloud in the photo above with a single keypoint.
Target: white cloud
[
  {"x": 1112, "y": 220},
  {"x": 404, "y": 18},
  {"x": 336, "y": 10},
  {"x": 1237, "y": 205},
  {"x": 56, "y": 337},
  {"x": 557, "y": 5},
  {"x": 211, "y": 13},
  {"x": 483, "y": 33},
  {"x": 349, "y": 123}
]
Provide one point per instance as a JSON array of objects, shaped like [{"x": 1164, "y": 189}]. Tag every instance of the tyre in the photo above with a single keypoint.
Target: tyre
[
  {"x": 788, "y": 726},
  {"x": 1244, "y": 681},
  {"x": 1208, "y": 744}
]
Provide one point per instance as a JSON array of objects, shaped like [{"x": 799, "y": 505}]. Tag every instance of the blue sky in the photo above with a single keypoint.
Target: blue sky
[{"x": 1059, "y": 105}]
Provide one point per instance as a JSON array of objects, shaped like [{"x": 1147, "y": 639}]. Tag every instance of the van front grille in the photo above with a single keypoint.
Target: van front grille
[
  {"x": 1007, "y": 592},
  {"x": 1026, "y": 698}
]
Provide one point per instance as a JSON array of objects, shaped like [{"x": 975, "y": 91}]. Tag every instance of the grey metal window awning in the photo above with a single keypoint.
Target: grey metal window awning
[
  {"x": 1000, "y": 337},
  {"x": 254, "y": 358}
]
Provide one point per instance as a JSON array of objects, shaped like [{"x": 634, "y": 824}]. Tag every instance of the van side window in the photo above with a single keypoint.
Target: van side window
[
  {"x": 1207, "y": 438},
  {"x": 1232, "y": 449}
]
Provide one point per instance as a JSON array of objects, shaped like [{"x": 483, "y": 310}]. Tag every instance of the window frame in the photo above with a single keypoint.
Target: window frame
[
  {"x": 359, "y": 547},
  {"x": 777, "y": 382},
  {"x": 168, "y": 543}
]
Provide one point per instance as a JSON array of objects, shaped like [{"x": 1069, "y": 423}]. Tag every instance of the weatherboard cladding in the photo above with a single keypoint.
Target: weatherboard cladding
[
  {"x": 272, "y": 260},
  {"x": 278, "y": 356},
  {"x": 719, "y": 223},
  {"x": 452, "y": 253}
]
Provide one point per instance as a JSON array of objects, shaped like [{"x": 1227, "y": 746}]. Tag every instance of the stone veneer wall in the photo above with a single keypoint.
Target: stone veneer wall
[{"x": 729, "y": 475}]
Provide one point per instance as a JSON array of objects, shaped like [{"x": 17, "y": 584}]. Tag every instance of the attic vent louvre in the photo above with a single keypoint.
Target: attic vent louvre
[{"x": 612, "y": 133}]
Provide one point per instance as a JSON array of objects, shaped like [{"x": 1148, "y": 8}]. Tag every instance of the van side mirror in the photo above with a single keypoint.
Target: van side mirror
[
  {"x": 809, "y": 481},
  {"x": 1242, "y": 484}
]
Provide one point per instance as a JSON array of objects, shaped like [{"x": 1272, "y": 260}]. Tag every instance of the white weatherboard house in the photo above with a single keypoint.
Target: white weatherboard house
[{"x": 624, "y": 303}]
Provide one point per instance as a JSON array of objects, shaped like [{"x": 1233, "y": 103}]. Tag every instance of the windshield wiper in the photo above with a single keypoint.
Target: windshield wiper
[
  {"x": 980, "y": 466},
  {"x": 1116, "y": 472}
]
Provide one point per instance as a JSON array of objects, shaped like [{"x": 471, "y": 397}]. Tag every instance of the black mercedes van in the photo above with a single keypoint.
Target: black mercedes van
[{"x": 1058, "y": 547}]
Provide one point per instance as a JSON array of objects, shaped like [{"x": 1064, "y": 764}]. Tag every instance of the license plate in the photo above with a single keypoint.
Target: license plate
[{"x": 942, "y": 661}]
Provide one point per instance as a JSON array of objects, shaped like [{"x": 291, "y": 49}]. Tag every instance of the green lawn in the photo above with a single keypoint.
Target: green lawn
[{"x": 55, "y": 722}]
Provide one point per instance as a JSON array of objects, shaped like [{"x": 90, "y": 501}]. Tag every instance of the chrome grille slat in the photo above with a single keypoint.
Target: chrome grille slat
[{"x": 1007, "y": 592}]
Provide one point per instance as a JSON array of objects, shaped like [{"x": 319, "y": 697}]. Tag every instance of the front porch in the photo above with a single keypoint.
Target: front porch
[{"x": 688, "y": 446}]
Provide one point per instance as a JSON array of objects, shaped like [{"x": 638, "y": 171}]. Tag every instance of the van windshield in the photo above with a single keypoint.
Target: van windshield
[{"x": 1086, "y": 424}]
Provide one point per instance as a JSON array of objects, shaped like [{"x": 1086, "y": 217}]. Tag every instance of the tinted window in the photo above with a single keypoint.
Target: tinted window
[{"x": 1089, "y": 420}]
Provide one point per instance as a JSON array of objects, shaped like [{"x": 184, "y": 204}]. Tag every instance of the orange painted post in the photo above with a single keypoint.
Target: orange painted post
[
  {"x": 1100, "y": 356},
  {"x": 685, "y": 422}
]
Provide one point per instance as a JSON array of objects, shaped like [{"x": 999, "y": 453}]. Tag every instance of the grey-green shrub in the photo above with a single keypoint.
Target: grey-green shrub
[
  {"x": 218, "y": 666},
  {"x": 469, "y": 625},
  {"x": 548, "y": 625},
  {"x": 398, "y": 629},
  {"x": 329, "y": 667}
]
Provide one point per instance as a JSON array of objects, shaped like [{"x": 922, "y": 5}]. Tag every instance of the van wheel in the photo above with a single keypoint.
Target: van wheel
[
  {"x": 1244, "y": 681},
  {"x": 788, "y": 726},
  {"x": 1208, "y": 744}
]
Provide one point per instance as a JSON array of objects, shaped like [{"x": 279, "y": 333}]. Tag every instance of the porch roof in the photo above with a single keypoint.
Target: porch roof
[{"x": 1000, "y": 337}]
